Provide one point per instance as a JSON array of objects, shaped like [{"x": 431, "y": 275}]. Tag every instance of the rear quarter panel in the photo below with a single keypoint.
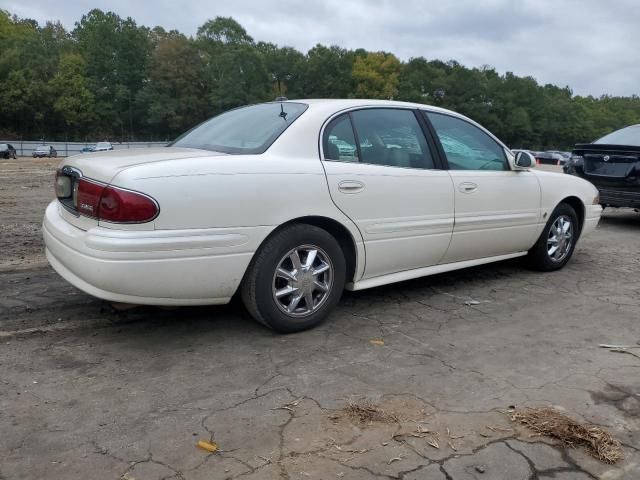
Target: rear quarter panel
[{"x": 236, "y": 192}]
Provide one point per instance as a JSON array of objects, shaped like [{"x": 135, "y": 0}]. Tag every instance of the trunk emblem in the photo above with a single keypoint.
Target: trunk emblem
[{"x": 606, "y": 158}]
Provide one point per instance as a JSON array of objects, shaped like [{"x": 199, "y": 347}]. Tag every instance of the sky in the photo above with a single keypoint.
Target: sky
[{"x": 592, "y": 46}]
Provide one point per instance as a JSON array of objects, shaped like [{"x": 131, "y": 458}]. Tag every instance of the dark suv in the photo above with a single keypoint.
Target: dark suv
[
  {"x": 612, "y": 164},
  {"x": 7, "y": 151}
]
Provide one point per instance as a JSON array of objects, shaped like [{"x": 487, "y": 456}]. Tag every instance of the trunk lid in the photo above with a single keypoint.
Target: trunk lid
[
  {"x": 103, "y": 166},
  {"x": 609, "y": 162}
]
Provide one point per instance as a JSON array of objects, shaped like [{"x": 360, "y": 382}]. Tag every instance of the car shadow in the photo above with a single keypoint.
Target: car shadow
[
  {"x": 621, "y": 217},
  {"x": 232, "y": 320}
]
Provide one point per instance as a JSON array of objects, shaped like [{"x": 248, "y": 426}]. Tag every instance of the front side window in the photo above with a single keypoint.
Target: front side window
[
  {"x": 466, "y": 146},
  {"x": 391, "y": 137},
  {"x": 246, "y": 130}
]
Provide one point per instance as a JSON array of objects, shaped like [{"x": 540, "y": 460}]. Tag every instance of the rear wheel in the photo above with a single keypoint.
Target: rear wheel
[
  {"x": 557, "y": 241},
  {"x": 295, "y": 279}
]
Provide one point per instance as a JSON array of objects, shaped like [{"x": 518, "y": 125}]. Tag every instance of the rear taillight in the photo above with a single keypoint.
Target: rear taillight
[
  {"x": 124, "y": 206},
  {"x": 87, "y": 198},
  {"x": 106, "y": 202}
]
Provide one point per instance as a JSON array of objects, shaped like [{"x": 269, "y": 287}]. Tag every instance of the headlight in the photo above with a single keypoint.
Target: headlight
[{"x": 596, "y": 199}]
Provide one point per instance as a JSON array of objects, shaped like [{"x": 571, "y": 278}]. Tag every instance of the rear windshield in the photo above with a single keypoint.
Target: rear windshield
[
  {"x": 246, "y": 130},
  {"x": 625, "y": 136}
]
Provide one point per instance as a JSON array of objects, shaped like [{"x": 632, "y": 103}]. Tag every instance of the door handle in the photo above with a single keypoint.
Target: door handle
[
  {"x": 351, "y": 186},
  {"x": 467, "y": 187}
]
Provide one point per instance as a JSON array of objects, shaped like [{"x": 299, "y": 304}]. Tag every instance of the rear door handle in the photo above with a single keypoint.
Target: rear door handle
[
  {"x": 467, "y": 187},
  {"x": 351, "y": 186}
]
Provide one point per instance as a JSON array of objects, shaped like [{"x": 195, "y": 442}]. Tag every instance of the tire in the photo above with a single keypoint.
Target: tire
[
  {"x": 276, "y": 257},
  {"x": 539, "y": 257}
]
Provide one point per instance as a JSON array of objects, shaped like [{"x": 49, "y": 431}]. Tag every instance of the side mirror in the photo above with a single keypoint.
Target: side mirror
[{"x": 524, "y": 160}]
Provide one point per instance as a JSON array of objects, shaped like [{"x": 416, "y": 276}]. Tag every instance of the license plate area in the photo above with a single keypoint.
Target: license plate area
[{"x": 617, "y": 166}]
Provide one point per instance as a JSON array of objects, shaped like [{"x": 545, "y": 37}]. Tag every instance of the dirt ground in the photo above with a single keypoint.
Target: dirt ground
[{"x": 87, "y": 392}]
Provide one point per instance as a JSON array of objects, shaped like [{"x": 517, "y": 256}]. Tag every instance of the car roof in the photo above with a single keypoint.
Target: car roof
[
  {"x": 324, "y": 107},
  {"x": 320, "y": 110},
  {"x": 344, "y": 103},
  {"x": 328, "y": 106}
]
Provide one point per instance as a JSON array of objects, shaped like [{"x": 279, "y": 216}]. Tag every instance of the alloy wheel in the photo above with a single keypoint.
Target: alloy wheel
[
  {"x": 302, "y": 280},
  {"x": 560, "y": 238}
]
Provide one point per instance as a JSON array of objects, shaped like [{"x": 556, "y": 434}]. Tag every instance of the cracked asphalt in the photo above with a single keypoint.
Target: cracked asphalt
[{"x": 87, "y": 392}]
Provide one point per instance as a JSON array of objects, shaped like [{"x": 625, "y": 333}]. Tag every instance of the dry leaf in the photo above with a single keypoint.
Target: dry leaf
[
  {"x": 208, "y": 446},
  {"x": 376, "y": 341}
]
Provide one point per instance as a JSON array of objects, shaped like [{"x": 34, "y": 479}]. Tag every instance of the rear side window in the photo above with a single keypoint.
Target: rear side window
[
  {"x": 391, "y": 137},
  {"x": 246, "y": 130},
  {"x": 466, "y": 146},
  {"x": 339, "y": 141},
  {"x": 625, "y": 136}
]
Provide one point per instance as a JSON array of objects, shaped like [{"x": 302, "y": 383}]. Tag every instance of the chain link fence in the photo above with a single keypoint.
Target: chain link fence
[{"x": 66, "y": 149}]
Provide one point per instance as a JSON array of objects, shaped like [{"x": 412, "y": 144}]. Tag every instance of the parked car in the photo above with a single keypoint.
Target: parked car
[
  {"x": 88, "y": 149},
  {"x": 44, "y": 151},
  {"x": 258, "y": 201},
  {"x": 345, "y": 151},
  {"x": 7, "y": 151},
  {"x": 102, "y": 147},
  {"x": 552, "y": 157},
  {"x": 562, "y": 157},
  {"x": 612, "y": 164}
]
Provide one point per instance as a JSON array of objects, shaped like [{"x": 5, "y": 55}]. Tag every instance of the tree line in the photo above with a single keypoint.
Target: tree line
[{"x": 110, "y": 78}]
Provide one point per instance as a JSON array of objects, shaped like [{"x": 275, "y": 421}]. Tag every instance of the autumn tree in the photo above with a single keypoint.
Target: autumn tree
[{"x": 376, "y": 75}]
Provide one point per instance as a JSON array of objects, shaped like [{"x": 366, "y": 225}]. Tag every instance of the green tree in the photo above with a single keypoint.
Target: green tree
[
  {"x": 174, "y": 98},
  {"x": 328, "y": 72},
  {"x": 113, "y": 78},
  {"x": 117, "y": 52},
  {"x": 73, "y": 99},
  {"x": 234, "y": 72},
  {"x": 285, "y": 66}
]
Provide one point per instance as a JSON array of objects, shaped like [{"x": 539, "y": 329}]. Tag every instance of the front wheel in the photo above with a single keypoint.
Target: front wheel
[
  {"x": 295, "y": 279},
  {"x": 557, "y": 241}
]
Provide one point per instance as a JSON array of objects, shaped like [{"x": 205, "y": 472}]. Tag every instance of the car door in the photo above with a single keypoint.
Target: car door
[
  {"x": 497, "y": 209},
  {"x": 382, "y": 174}
]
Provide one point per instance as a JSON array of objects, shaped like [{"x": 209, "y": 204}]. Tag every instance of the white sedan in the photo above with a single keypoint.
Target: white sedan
[{"x": 290, "y": 202}]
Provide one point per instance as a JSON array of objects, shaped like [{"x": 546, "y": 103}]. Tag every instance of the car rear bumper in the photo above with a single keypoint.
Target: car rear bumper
[
  {"x": 619, "y": 198},
  {"x": 158, "y": 267}
]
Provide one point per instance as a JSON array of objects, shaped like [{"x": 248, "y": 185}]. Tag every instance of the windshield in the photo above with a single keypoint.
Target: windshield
[
  {"x": 625, "y": 136},
  {"x": 244, "y": 130}
]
